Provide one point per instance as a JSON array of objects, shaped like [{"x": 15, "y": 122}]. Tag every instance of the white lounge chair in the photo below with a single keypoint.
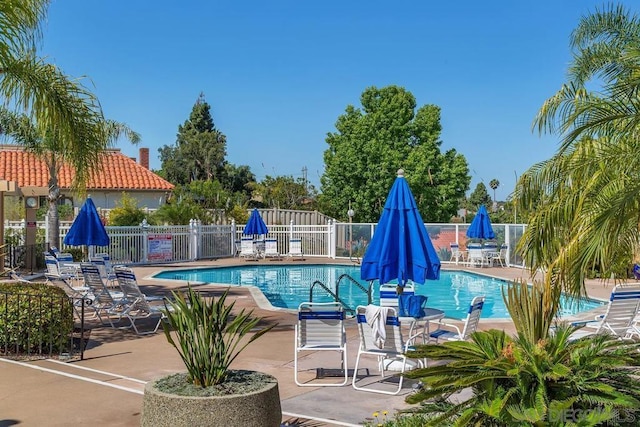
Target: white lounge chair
[
  {"x": 618, "y": 320},
  {"x": 105, "y": 301},
  {"x": 55, "y": 269},
  {"x": 470, "y": 324},
  {"x": 271, "y": 249},
  {"x": 103, "y": 261},
  {"x": 320, "y": 327},
  {"x": 295, "y": 249},
  {"x": 248, "y": 250},
  {"x": 381, "y": 337},
  {"x": 136, "y": 304},
  {"x": 77, "y": 295}
]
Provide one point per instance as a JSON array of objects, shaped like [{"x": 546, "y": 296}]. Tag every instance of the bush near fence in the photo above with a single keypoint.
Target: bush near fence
[{"x": 35, "y": 319}]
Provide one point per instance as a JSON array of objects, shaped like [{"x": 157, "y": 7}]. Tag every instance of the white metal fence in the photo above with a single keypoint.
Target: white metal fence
[{"x": 153, "y": 244}]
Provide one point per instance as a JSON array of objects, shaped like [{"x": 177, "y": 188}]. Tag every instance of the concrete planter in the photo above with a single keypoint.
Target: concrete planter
[{"x": 253, "y": 409}]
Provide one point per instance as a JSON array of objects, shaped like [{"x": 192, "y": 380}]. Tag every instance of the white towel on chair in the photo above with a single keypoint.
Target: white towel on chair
[{"x": 376, "y": 317}]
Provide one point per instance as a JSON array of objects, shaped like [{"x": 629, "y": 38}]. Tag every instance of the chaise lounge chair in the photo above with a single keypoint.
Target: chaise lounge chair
[{"x": 618, "y": 320}]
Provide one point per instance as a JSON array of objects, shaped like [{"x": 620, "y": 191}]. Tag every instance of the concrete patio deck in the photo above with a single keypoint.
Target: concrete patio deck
[{"x": 105, "y": 389}]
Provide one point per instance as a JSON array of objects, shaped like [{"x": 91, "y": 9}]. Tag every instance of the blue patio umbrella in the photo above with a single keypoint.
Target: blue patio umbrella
[
  {"x": 255, "y": 224},
  {"x": 87, "y": 229},
  {"x": 480, "y": 227},
  {"x": 400, "y": 248}
]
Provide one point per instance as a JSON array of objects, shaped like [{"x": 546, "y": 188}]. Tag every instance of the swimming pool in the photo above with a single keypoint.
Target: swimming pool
[{"x": 286, "y": 286}]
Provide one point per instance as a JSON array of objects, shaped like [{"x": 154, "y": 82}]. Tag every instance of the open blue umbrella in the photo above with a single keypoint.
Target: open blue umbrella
[
  {"x": 400, "y": 248},
  {"x": 480, "y": 227},
  {"x": 87, "y": 228},
  {"x": 255, "y": 224}
]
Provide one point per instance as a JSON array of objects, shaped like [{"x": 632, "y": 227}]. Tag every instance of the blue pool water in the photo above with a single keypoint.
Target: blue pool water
[{"x": 286, "y": 286}]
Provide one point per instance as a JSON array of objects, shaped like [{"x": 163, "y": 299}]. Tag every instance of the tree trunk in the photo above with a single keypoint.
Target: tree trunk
[{"x": 53, "y": 231}]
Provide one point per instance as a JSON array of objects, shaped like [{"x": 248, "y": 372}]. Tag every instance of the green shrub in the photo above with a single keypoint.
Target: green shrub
[
  {"x": 34, "y": 318},
  {"x": 77, "y": 253}
]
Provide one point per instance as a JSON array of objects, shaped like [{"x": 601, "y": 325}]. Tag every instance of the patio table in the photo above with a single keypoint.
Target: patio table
[{"x": 423, "y": 322}]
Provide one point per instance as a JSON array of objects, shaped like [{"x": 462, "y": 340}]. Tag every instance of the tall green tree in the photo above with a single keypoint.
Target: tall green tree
[
  {"x": 479, "y": 196},
  {"x": 369, "y": 146},
  {"x": 585, "y": 200},
  {"x": 200, "y": 148},
  {"x": 56, "y": 153},
  {"x": 237, "y": 179},
  {"x": 285, "y": 192}
]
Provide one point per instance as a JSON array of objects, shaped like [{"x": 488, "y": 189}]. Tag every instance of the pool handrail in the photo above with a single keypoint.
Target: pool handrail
[{"x": 335, "y": 294}]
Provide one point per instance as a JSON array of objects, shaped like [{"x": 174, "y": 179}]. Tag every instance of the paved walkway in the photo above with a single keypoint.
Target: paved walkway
[{"x": 106, "y": 388}]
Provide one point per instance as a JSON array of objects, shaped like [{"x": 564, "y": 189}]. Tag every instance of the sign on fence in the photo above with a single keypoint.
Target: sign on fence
[{"x": 160, "y": 248}]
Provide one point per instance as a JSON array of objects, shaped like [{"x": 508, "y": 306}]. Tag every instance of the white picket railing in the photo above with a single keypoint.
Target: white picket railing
[{"x": 153, "y": 244}]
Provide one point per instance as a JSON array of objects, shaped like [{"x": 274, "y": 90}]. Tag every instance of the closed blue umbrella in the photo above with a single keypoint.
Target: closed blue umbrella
[
  {"x": 480, "y": 227},
  {"x": 255, "y": 224},
  {"x": 87, "y": 228},
  {"x": 400, "y": 248}
]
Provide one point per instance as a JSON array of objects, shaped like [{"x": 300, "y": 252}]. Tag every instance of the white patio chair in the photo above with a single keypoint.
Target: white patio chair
[
  {"x": 619, "y": 319},
  {"x": 500, "y": 256},
  {"x": 457, "y": 255},
  {"x": 381, "y": 337},
  {"x": 320, "y": 327},
  {"x": 476, "y": 256},
  {"x": 470, "y": 324},
  {"x": 248, "y": 250},
  {"x": 295, "y": 249},
  {"x": 271, "y": 249},
  {"x": 136, "y": 304}
]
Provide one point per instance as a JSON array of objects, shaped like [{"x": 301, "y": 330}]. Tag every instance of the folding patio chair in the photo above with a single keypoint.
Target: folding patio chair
[
  {"x": 320, "y": 327},
  {"x": 499, "y": 256},
  {"x": 271, "y": 249},
  {"x": 136, "y": 304},
  {"x": 55, "y": 269},
  {"x": 248, "y": 250},
  {"x": 476, "y": 256},
  {"x": 295, "y": 249},
  {"x": 105, "y": 301},
  {"x": 457, "y": 255},
  {"x": 618, "y": 320},
  {"x": 470, "y": 324},
  {"x": 381, "y": 337},
  {"x": 77, "y": 295}
]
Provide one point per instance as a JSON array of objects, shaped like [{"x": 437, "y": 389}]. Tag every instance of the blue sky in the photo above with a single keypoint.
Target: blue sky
[{"x": 278, "y": 74}]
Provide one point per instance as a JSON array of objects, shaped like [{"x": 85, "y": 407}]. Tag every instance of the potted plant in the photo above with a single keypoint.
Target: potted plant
[{"x": 208, "y": 338}]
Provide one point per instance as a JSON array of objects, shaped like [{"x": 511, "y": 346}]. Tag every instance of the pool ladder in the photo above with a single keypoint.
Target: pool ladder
[{"x": 336, "y": 294}]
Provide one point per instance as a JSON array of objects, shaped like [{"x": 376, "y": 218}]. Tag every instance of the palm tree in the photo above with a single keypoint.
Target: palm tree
[
  {"x": 61, "y": 107},
  {"x": 585, "y": 200},
  {"x": 55, "y": 153},
  {"x": 494, "y": 184},
  {"x": 62, "y": 118}
]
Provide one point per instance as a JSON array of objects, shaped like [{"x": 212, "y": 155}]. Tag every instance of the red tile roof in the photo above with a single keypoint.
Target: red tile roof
[{"x": 117, "y": 172}]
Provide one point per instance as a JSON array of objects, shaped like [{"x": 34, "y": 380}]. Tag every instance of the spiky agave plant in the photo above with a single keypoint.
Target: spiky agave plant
[{"x": 208, "y": 336}]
